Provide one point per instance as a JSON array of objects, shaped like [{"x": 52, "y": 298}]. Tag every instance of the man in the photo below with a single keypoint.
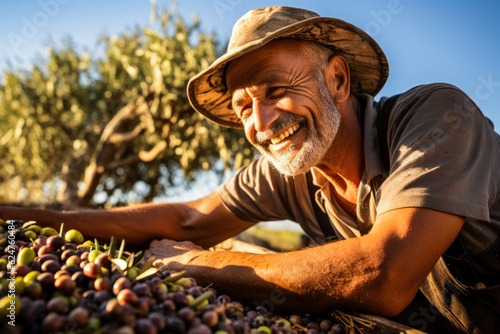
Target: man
[{"x": 414, "y": 198}]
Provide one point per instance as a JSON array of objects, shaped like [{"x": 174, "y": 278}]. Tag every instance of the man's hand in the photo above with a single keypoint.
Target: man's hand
[{"x": 170, "y": 254}]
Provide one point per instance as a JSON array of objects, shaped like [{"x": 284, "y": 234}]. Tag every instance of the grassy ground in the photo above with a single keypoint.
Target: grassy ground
[{"x": 279, "y": 240}]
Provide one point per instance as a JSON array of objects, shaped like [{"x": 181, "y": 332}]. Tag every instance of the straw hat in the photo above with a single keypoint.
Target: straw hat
[{"x": 208, "y": 93}]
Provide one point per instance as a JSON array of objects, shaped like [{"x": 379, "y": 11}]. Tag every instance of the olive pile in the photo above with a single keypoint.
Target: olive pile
[{"x": 55, "y": 282}]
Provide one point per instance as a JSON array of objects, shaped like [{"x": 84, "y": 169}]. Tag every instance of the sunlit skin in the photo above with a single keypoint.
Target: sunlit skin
[
  {"x": 272, "y": 83},
  {"x": 378, "y": 273}
]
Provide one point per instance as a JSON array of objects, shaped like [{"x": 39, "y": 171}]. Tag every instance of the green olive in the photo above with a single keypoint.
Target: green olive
[
  {"x": 3, "y": 264},
  {"x": 26, "y": 256},
  {"x": 7, "y": 302},
  {"x": 48, "y": 231},
  {"x": 30, "y": 235},
  {"x": 31, "y": 276},
  {"x": 34, "y": 228},
  {"x": 133, "y": 273},
  {"x": 94, "y": 254},
  {"x": 74, "y": 236}
]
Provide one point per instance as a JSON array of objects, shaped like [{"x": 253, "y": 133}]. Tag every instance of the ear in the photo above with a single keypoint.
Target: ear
[{"x": 338, "y": 78}]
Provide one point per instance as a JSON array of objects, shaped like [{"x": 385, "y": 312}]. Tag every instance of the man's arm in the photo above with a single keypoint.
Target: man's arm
[
  {"x": 205, "y": 222},
  {"x": 378, "y": 273}
]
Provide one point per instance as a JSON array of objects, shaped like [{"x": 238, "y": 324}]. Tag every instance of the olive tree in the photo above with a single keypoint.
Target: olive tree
[{"x": 77, "y": 123}]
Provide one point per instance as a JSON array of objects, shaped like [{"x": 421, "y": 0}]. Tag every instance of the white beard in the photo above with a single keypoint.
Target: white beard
[{"x": 317, "y": 142}]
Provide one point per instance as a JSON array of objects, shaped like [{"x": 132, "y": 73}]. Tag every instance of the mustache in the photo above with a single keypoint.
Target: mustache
[{"x": 277, "y": 126}]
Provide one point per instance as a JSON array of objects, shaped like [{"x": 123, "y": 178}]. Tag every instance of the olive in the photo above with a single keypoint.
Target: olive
[
  {"x": 67, "y": 253},
  {"x": 48, "y": 232},
  {"x": 202, "y": 329},
  {"x": 169, "y": 305},
  {"x": 21, "y": 270},
  {"x": 33, "y": 290},
  {"x": 36, "y": 266},
  {"x": 83, "y": 264},
  {"x": 241, "y": 327},
  {"x": 43, "y": 250},
  {"x": 142, "y": 306},
  {"x": 145, "y": 326},
  {"x": 113, "y": 308},
  {"x": 73, "y": 260},
  {"x": 55, "y": 242},
  {"x": 79, "y": 278},
  {"x": 68, "y": 246},
  {"x": 102, "y": 283},
  {"x": 58, "y": 304},
  {"x": 127, "y": 296},
  {"x": 325, "y": 325},
  {"x": 7, "y": 302},
  {"x": 180, "y": 299},
  {"x": 51, "y": 266},
  {"x": 60, "y": 273},
  {"x": 74, "y": 236},
  {"x": 120, "y": 284},
  {"x": 184, "y": 282},
  {"x": 92, "y": 270},
  {"x": 210, "y": 318},
  {"x": 71, "y": 269},
  {"x": 186, "y": 314},
  {"x": 85, "y": 256},
  {"x": 174, "y": 325},
  {"x": 94, "y": 254},
  {"x": 79, "y": 316},
  {"x": 158, "y": 320},
  {"x": 133, "y": 273},
  {"x": 41, "y": 240},
  {"x": 160, "y": 295},
  {"x": 141, "y": 289},
  {"x": 102, "y": 296},
  {"x": 31, "y": 276},
  {"x": 337, "y": 329},
  {"x": 46, "y": 279},
  {"x": 53, "y": 322},
  {"x": 65, "y": 285},
  {"x": 29, "y": 235},
  {"x": 104, "y": 260}
]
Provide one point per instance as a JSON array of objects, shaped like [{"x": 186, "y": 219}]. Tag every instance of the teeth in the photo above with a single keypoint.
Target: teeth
[{"x": 285, "y": 134}]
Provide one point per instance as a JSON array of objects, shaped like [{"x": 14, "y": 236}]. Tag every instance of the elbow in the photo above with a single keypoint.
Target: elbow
[{"x": 393, "y": 294}]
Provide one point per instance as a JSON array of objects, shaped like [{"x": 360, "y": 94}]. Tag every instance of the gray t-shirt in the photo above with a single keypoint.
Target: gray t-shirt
[{"x": 444, "y": 155}]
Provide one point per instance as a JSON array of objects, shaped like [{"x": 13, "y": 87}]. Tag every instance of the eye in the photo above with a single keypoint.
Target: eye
[
  {"x": 245, "y": 112},
  {"x": 275, "y": 92}
]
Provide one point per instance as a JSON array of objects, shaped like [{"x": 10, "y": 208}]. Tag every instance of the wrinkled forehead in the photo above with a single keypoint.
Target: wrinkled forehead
[{"x": 267, "y": 64}]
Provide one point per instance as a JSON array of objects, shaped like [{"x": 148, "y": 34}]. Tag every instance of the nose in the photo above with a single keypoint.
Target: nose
[{"x": 265, "y": 114}]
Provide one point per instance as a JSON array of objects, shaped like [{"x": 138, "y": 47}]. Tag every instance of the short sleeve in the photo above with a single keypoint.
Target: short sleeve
[
  {"x": 257, "y": 192},
  {"x": 444, "y": 155}
]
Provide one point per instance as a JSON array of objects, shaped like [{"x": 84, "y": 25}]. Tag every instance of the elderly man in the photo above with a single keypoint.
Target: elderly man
[{"x": 408, "y": 187}]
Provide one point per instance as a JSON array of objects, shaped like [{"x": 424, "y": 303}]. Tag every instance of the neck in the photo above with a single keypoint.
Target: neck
[{"x": 343, "y": 165}]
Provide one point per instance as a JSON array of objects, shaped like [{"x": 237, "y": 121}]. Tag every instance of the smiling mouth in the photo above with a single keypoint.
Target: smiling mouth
[{"x": 285, "y": 134}]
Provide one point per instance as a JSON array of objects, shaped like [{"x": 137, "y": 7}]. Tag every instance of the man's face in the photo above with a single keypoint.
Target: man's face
[{"x": 286, "y": 108}]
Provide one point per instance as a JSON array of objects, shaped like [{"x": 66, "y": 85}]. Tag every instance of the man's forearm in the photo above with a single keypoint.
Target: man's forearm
[
  {"x": 205, "y": 221},
  {"x": 348, "y": 276},
  {"x": 137, "y": 224}
]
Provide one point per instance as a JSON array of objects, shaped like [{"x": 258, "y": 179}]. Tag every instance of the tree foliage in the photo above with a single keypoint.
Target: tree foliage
[{"x": 77, "y": 123}]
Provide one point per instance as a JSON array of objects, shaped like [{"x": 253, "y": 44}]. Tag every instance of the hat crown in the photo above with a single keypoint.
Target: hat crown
[{"x": 258, "y": 23}]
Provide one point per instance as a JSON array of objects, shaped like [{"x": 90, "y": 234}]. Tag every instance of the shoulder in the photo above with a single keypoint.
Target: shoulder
[{"x": 436, "y": 97}]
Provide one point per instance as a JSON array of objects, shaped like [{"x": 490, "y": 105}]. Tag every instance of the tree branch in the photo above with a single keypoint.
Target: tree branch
[
  {"x": 126, "y": 137},
  {"x": 145, "y": 156}
]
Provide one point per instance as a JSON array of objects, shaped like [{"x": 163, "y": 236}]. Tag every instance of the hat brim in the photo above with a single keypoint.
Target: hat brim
[{"x": 209, "y": 95}]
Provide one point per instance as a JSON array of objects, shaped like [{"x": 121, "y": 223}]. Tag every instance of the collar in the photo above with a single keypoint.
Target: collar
[{"x": 374, "y": 166}]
